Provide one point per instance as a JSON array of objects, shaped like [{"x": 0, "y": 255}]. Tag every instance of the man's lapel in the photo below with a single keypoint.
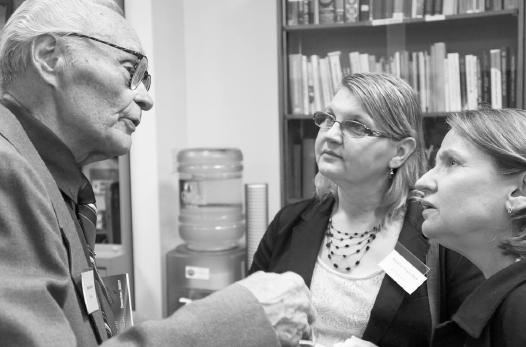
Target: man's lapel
[{"x": 14, "y": 133}]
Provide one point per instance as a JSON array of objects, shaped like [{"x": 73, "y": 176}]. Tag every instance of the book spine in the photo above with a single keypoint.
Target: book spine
[
  {"x": 504, "y": 75},
  {"x": 295, "y": 84},
  {"x": 495, "y": 78},
  {"x": 428, "y": 7},
  {"x": 327, "y": 11},
  {"x": 335, "y": 69},
  {"x": 325, "y": 77},
  {"x": 463, "y": 83},
  {"x": 365, "y": 10},
  {"x": 351, "y": 11},
  {"x": 486, "y": 80},
  {"x": 318, "y": 94},
  {"x": 293, "y": 12},
  {"x": 438, "y": 7},
  {"x": 512, "y": 79},
  {"x": 339, "y": 11},
  {"x": 309, "y": 168},
  {"x": 315, "y": 6}
]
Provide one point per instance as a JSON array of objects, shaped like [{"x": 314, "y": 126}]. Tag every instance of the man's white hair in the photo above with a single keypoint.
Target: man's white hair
[{"x": 37, "y": 17}]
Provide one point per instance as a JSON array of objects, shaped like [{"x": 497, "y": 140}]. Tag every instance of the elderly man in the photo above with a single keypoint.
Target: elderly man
[{"x": 74, "y": 84}]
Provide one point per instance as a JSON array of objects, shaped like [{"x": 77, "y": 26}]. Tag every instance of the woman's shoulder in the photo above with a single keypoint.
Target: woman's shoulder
[{"x": 302, "y": 210}]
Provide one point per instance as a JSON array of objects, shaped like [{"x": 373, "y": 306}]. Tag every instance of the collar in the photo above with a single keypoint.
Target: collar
[
  {"x": 479, "y": 307},
  {"x": 55, "y": 154}
]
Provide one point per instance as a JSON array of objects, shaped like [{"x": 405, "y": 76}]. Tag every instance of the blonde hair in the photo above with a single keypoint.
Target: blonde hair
[
  {"x": 502, "y": 135},
  {"x": 394, "y": 107}
]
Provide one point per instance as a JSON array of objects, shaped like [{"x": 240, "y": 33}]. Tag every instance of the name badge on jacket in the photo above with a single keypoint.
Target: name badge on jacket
[
  {"x": 89, "y": 292},
  {"x": 405, "y": 268}
]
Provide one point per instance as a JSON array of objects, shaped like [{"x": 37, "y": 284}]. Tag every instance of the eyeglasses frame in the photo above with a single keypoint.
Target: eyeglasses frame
[
  {"x": 146, "y": 77},
  {"x": 368, "y": 131}
]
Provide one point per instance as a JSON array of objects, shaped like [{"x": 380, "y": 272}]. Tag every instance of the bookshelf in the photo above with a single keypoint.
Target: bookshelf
[{"x": 457, "y": 54}]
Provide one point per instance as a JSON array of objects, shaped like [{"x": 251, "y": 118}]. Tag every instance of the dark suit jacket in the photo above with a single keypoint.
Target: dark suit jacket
[
  {"x": 292, "y": 243},
  {"x": 491, "y": 316},
  {"x": 41, "y": 261}
]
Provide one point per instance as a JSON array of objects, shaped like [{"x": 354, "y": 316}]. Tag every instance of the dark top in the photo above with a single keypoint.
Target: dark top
[
  {"x": 493, "y": 315},
  {"x": 292, "y": 243}
]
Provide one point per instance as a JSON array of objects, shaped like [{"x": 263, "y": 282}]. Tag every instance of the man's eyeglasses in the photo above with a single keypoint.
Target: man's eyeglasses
[
  {"x": 140, "y": 70},
  {"x": 351, "y": 127}
]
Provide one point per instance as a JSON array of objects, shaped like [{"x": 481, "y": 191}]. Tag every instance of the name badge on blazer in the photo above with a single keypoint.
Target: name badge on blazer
[
  {"x": 405, "y": 268},
  {"x": 89, "y": 292}
]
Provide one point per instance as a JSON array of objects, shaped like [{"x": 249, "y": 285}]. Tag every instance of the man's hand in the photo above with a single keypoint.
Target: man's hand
[{"x": 286, "y": 301}]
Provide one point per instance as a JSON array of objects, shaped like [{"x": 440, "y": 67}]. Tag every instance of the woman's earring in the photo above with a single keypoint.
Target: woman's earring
[
  {"x": 509, "y": 210},
  {"x": 391, "y": 173}
]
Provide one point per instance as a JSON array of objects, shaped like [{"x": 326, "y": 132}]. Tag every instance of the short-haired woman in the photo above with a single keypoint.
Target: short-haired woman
[{"x": 474, "y": 202}]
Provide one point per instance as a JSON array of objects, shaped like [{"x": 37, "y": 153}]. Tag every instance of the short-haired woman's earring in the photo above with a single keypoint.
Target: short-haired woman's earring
[
  {"x": 509, "y": 210},
  {"x": 391, "y": 173}
]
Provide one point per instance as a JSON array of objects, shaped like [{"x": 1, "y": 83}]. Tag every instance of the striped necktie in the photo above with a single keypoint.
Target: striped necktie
[{"x": 87, "y": 216}]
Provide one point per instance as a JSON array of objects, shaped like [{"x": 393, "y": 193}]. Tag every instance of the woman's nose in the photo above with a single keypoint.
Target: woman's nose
[{"x": 426, "y": 183}]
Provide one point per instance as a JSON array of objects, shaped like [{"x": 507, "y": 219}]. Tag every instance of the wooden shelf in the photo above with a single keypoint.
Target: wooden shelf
[{"x": 394, "y": 21}]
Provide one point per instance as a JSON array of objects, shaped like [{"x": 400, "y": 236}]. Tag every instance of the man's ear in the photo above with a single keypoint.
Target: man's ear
[
  {"x": 404, "y": 148},
  {"x": 516, "y": 199},
  {"x": 46, "y": 56}
]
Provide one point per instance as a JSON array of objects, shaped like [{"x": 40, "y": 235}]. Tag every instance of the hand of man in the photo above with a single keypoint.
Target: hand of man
[{"x": 286, "y": 301}]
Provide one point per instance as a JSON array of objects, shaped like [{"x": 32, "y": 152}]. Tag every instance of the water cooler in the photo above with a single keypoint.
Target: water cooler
[{"x": 211, "y": 222}]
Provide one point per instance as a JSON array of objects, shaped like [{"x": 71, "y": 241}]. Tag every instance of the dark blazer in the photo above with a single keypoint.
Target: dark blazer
[
  {"x": 492, "y": 316},
  {"x": 292, "y": 243},
  {"x": 41, "y": 261}
]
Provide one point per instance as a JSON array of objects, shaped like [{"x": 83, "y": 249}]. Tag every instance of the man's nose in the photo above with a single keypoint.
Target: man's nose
[{"x": 143, "y": 98}]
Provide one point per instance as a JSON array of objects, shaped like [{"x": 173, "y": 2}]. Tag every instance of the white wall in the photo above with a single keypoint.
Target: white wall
[{"x": 215, "y": 84}]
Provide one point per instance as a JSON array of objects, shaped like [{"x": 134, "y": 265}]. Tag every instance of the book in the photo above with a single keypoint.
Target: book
[
  {"x": 354, "y": 62},
  {"x": 295, "y": 84},
  {"x": 339, "y": 11},
  {"x": 495, "y": 78},
  {"x": 296, "y": 171},
  {"x": 450, "y": 7},
  {"x": 311, "y": 108},
  {"x": 512, "y": 79},
  {"x": 335, "y": 69},
  {"x": 316, "y": 82},
  {"x": 327, "y": 11},
  {"x": 309, "y": 168},
  {"x": 119, "y": 295},
  {"x": 504, "y": 75},
  {"x": 365, "y": 10},
  {"x": 315, "y": 7},
  {"x": 463, "y": 83},
  {"x": 351, "y": 11},
  {"x": 377, "y": 9},
  {"x": 398, "y": 9},
  {"x": 485, "y": 78},
  {"x": 496, "y": 5},
  {"x": 417, "y": 10},
  {"x": 303, "y": 12},
  {"x": 293, "y": 11},
  {"x": 511, "y": 4},
  {"x": 437, "y": 7},
  {"x": 326, "y": 84},
  {"x": 304, "y": 85},
  {"x": 428, "y": 7}
]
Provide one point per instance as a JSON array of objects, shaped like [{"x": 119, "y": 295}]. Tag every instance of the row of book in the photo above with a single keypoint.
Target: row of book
[
  {"x": 445, "y": 81},
  {"x": 350, "y": 11}
]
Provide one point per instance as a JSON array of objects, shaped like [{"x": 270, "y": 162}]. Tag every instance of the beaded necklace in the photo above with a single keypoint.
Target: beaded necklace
[{"x": 348, "y": 247}]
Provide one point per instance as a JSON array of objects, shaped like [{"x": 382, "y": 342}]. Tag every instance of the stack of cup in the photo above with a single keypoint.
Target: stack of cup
[
  {"x": 211, "y": 222},
  {"x": 256, "y": 202}
]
